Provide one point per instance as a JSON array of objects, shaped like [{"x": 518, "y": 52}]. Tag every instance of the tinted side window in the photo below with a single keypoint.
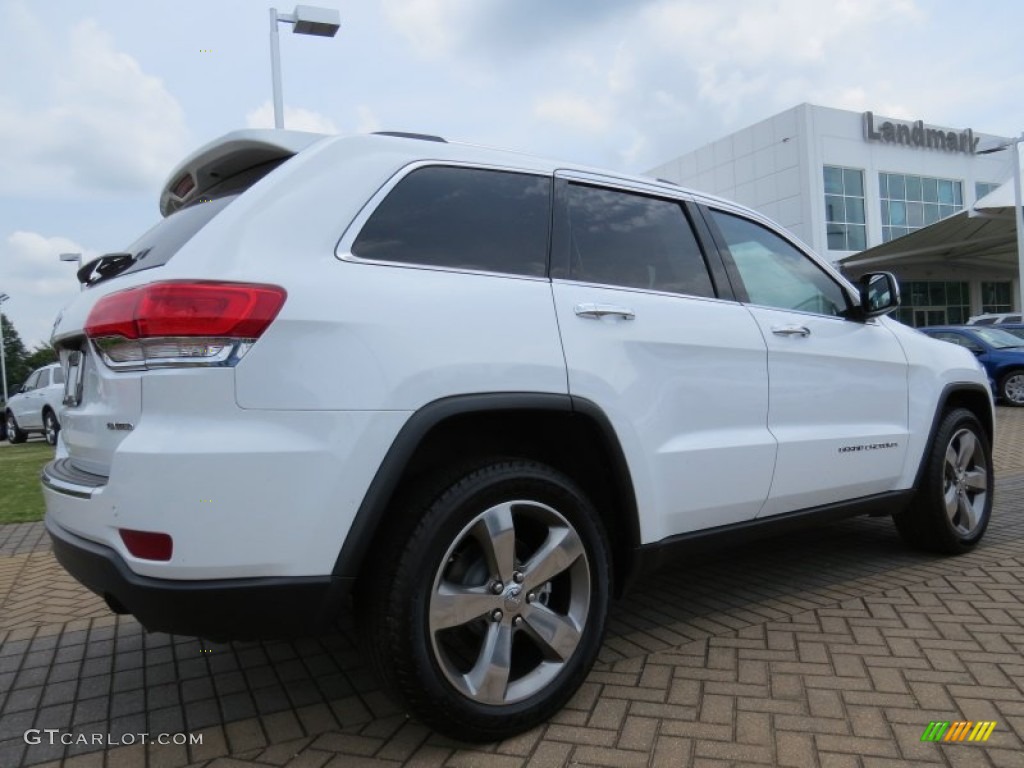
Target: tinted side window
[
  {"x": 31, "y": 381},
  {"x": 634, "y": 241},
  {"x": 775, "y": 273},
  {"x": 58, "y": 375},
  {"x": 44, "y": 379},
  {"x": 463, "y": 218}
]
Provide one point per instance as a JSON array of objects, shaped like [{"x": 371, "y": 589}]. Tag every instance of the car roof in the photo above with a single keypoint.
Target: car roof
[{"x": 237, "y": 150}]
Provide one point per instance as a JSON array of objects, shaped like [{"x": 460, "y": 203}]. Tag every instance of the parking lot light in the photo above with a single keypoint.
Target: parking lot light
[{"x": 305, "y": 20}]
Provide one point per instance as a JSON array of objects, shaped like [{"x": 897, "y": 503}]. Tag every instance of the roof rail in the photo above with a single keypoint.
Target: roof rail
[{"x": 405, "y": 135}]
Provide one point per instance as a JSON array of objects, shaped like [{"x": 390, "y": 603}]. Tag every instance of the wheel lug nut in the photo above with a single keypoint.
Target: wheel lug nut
[
  {"x": 517, "y": 621},
  {"x": 497, "y": 587},
  {"x": 496, "y": 615},
  {"x": 518, "y": 577},
  {"x": 531, "y": 596}
]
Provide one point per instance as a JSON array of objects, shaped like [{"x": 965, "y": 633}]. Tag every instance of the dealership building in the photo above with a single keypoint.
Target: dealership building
[{"x": 846, "y": 181}]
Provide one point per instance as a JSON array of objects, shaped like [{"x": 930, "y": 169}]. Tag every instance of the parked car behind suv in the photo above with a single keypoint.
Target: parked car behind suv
[
  {"x": 999, "y": 351},
  {"x": 995, "y": 318},
  {"x": 470, "y": 395},
  {"x": 36, "y": 406}
]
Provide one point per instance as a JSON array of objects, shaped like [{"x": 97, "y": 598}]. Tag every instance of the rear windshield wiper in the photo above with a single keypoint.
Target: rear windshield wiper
[{"x": 104, "y": 267}]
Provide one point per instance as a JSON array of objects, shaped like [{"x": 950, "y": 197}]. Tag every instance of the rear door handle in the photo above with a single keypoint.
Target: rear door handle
[
  {"x": 597, "y": 311},
  {"x": 791, "y": 330}
]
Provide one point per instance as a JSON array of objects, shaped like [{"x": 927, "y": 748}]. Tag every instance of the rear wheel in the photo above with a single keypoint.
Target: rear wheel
[
  {"x": 51, "y": 427},
  {"x": 952, "y": 507},
  {"x": 14, "y": 434},
  {"x": 1011, "y": 388},
  {"x": 488, "y": 616}
]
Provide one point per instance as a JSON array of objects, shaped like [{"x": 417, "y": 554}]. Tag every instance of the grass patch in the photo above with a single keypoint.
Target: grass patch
[{"x": 21, "y": 497}]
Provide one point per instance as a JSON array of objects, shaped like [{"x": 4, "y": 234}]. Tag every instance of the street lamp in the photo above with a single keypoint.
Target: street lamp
[
  {"x": 3, "y": 357},
  {"x": 1018, "y": 213},
  {"x": 305, "y": 20}
]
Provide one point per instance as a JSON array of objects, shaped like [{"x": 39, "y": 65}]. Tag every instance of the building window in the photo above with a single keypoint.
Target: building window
[
  {"x": 912, "y": 202},
  {"x": 982, "y": 188},
  {"x": 844, "y": 209},
  {"x": 934, "y": 302},
  {"x": 996, "y": 297}
]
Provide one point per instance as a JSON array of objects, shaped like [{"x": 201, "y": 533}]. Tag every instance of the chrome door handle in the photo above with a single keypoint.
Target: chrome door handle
[
  {"x": 597, "y": 311},
  {"x": 791, "y": 330}
]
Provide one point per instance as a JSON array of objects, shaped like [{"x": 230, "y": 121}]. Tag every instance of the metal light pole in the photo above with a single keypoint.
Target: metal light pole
[
  {"x": 1018, "y": 213},
  {"x": 305, "y": 20},
  {"x": 3, "y": 356}
]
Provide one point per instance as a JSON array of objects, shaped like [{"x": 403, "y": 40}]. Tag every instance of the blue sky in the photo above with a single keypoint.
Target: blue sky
[{"x": 100, "y": 98}]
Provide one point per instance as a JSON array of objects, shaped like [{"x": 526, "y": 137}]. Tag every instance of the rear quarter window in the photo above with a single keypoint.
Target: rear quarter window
[{"x": 462, "y": 218}]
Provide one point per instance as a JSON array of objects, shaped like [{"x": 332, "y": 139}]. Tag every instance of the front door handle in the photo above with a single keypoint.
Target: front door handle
[
  {"x": 597, "y": 311},
  {"x": 791, "y": 330}
]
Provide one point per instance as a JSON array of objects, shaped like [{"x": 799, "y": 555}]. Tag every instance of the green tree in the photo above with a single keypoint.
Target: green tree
[
  {"x": 15, "y": 357},
  {"x": 42, "y": 355}
]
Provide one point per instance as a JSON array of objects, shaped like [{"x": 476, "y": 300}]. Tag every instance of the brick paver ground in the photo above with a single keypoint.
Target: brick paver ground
[{"x": 832, "y": 648}]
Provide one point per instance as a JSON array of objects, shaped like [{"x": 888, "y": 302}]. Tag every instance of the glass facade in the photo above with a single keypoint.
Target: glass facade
[
  {"x": 844, "y": 209},
  {"x": 912, "y": 202},
  {"x": 996, "y": 297},
  {"x": 934, "y": 302},
  {"x": 982, "y": 188}
]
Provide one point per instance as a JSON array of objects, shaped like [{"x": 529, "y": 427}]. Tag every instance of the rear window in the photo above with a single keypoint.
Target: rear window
[
  {"x": 159, "y": 244},
  {"x": 462, "y": 218}
]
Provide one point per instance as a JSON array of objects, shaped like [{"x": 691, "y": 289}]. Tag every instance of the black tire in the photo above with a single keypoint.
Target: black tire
[
  {"x": 1011, "y": 388},
  {"x": 952, "y": 506},
  {"x": 51, "y": 427},
  {"x": 14, "y": 434},
  {"x": 438, "y": 625}
]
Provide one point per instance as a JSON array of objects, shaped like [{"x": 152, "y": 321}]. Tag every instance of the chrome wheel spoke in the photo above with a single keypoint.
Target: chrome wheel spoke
[
  {"x": 488, "y": 679},
  {"x": 561, "y": 549},
  {"x": 968, "y": 515},
  {"x": 497, "y": 535},
  {"x": 976, "y": 480},
  {"x": 951, "y": 499},
  {"x": 558, "y": 635},
  {"x": 454, "y": 605},
  {"x": 965, "y": 453}
]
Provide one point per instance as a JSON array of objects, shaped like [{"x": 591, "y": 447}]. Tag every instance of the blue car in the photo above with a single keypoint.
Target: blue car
[{"x": 998, "y": 350}]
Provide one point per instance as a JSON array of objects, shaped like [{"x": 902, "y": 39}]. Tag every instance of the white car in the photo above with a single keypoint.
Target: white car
[
  {"x": 470, "y": 395},
  {"x": 36, "y": 406},
  {"x": 995, "y": 318}
]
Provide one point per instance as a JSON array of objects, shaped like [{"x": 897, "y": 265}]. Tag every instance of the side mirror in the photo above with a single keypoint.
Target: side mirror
[{"x": 879, "y": 294}]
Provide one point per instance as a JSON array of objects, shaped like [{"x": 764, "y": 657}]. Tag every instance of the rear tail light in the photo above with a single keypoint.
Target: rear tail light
[{"x": 182, "y": 323}]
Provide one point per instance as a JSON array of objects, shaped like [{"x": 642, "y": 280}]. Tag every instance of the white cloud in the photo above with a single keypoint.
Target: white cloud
[
  {"x": 38, "y": 283},
  {"x": 434, "y": 27},
  {"x": 571, "y": 111},
  {"x": 295, "y": 119},
  {"x": 108, "y": 125},
  {"x": 366, "y": 120}
]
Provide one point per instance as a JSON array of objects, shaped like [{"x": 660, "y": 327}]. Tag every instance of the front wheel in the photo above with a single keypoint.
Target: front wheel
[
  {"x": 954, "y": 501},
  {"x": 14, "y": 433},
  {"x": 489, "y": 615},
  {"x": 1011, "y": 388},
  {"x": 50, "y": 427}
]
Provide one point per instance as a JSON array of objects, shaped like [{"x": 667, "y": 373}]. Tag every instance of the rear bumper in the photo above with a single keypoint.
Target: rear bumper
[{"x": 220, "y": 610}]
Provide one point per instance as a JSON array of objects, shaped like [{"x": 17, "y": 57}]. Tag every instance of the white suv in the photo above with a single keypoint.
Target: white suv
[
  {"x": 36, "y": 406},
  {"x": 470, "y": 395}
]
